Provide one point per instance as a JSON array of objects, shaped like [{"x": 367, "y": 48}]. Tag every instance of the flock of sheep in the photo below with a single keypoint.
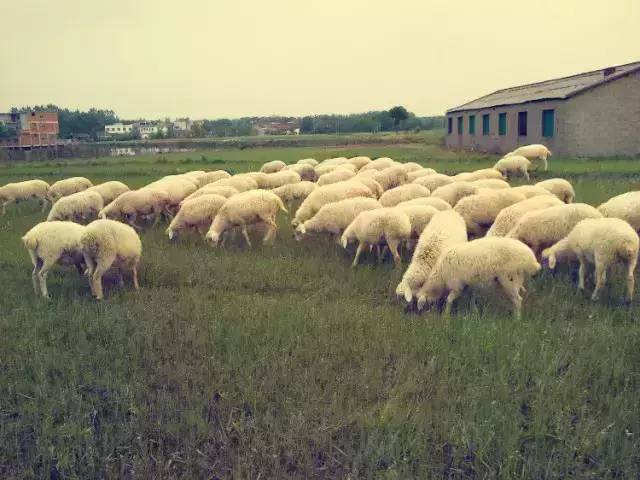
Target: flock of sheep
[{"x": 467, "y": 230}]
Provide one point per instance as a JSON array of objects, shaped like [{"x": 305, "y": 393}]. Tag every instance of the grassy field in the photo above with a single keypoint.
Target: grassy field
[{"x": 284, "y": 362}]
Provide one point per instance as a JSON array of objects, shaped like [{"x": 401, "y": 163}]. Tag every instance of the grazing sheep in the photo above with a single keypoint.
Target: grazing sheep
[
  {"x": 327, "y": 194},
  {"x": 423, "y": 172},
  {"x": 109, "y": 191},
  {"x": 214, "y": 176},
  {"x": 434, "y": 181},
  {"x": 403, "y": 193},
  {"x": 359, "y": 161},
  {"x": 337, "y": 175},
  {"x": 307, "y": 161},
  {"x": 481, "y": 262},
  {"x": 195, "y": 214},
  {"x": 436, "y": 203},
  {"x": 77, "y": 207},
  {"x": 410, "y": 167},
  {"x": 542, "y": 228},
  {"x": 391, "y": 177},
  {"x": 51, "y": 243},
  {"x": 137, "y": 203},
  {"x": 482, "y": 174},
  {"x": 531, "y": 152},
  {"x": 374, "y": 226},
  {"x": 509, "y": 216},
  {"x": 334, "y": 217},
  {"x": 480, "y": 211},
  {"x": 445, "y": 229},
  {"x": 20, "y": 191},
  {"x": 374, "y": 186},
  {"x": 560, "y": 187},
  {"x": 273, "y": 166},
  {"x": 603, "y": 242},
  {"x": 419, "y": 217},
  {"x": 223, "y": 191},
  {"x": 177, "y": 189},
  {"x": 454, "y": 192},
  {"x": 246, "y": 208},
  {"x": 490, "y": 183},
  {"x": 259, "y": 177},
  {"x": 379, "y": 164},
  {"x": 530, "y": 191},
  {"x": 240, "y": 183},
  {"x": 278, "y": 179},
  {"x": 107, "y": 244},
  {"x": 515, "y": 165},
  {"x": 294, "y": 192},
  {"x": 65, "y": 187},
  {"x": 306, "y": 171},
  {"x": 625, "y": 207}
]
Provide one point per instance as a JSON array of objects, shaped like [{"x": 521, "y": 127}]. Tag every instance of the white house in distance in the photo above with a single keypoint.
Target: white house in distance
[
  {"x": 118, "y": 129},
  {"x": 182, "y": 126},
  {"x": 146, "y": 129}
]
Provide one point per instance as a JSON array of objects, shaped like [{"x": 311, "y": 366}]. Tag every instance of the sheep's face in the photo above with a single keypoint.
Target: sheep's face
[
  {"x": 299, "y": 232},
  {"x": 171, "y": 233},
  {"x": 212, "y": 238}
]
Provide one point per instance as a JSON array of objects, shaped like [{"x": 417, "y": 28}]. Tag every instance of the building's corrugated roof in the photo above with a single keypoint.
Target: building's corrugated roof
[{"x": 559, "y": 88}]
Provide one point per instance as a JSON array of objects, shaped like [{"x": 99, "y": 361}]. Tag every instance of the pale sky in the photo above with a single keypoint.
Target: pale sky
[{"x": 232, "y": 58}]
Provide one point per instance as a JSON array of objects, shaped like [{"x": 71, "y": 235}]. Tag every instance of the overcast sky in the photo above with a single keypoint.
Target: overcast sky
[{"x": 231, "y": 58}]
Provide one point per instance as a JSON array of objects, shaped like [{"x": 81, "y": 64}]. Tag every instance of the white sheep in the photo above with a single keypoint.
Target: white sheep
[
  {"x": 480, "y": 211},
  {"x": 445, "y": 229},
  {"x": 307, "y": 161},
  {"x": 336, "y": 175},
  {"x": 22, "y": 191},
  {"x": 403, "y": 193},
  {"x": 223, "y": 191},
  {"x": 452, "y": 193},
  {"x": 482, "y": 174},
  {"x": 247, "y": 208},
  {"x": 137, "y": 203},
  {"x": 359, "y": 161},
  {"x": 480, "y": 263},
  {"x": 372, "y": 227},
  {"x": 177, "y": 189},
  {"x": 327, "y": 194},
  {"x": 436, "y": 203},
  {"x": 531, "y": 152},
  {"x": 560, "y": 187},
  {"x": 370, "y": 183},
  {"x": 273, "y": 166},
  {"x": 107, "y": 244},
  {"x": 530, "y": 191},
  {"x": 542, "y": 228},
  {"x": 410, "y": 167},
  {"x": 239, "y": 182},
  {"x": 260, "y": 178},
  {"x": 306, "y": 171},
  {"x": 625, "y": 207},
  {"x": 278, "y": 179},
  {"x": 434, "y": 181},
  {"x": 509, "y": 216},
  {"x": 77, "y": 207},
  {"x": 514, "y": 165},
  {"x": 603, "y": 242},
  {"x": 490, "y": 183},
  {"x": 423, "y": 172},
  {"x": 67, "y": 186},
  {"x": 195, "y": 214},
  {"x": 333, "y": 218},
  {"x": 51, "y": 243},
  {"x": 213, "y": 176},
  {"x": 391, "y": 177},
  {"x": 109, "y": 191},
  {"x": 419, "y": 217},
  {"x": 379, "y": 164},
  {"x": 294, "y": 192}
]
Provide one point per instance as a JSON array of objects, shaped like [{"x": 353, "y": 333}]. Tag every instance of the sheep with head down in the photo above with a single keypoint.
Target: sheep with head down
[
  {"x": 294, "y": 192},
  {"x": 77, "y": 207},
  {"x": 22, "y": 191},
  {"x": 434, "y": 202},
  {"x": 509, "y": 216},
  {"x": 536, "y": 152},
  {"x": 336, "y": 175},
  {"x": 327, "y": 194},
  {"x": 625, "y": 207},
  {"x": 560, "y": 187},
  {"x": 379, "y": 164},
  {"x": 223, "y": 191},
  {"x": 273, "y": 166},
  {"x": 109, "y": 191},
  {"x": 452, "y": 193},
  {"x": 513, "y": 166},
  {"x": 67, "y": 186},
  {"x": 403, "y": 193},
  {"x": 433, "y": 181},
  {"x": 479, "y": 211},
  {"x": 306, "y": 171},
  {"x": 131, "y": 206},
  {"x": 422, "y": 172},
  {"x": 391, "y": 177},
  {"x": 195, "y": 214}
]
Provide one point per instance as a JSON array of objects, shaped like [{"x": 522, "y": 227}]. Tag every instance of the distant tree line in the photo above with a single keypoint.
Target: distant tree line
[
  {"x": 376, "y": 121},
  {"x": 72, "y": 122}
]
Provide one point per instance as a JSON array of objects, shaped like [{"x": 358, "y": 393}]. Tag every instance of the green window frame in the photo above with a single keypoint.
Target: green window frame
[
  {"x": 472, "y": 124},
  {"x": 502, "y": 124},
  {"x": 548, "y": 122},
  {"x": 460, "y": 125},
  {"x": 486, "y": 124}
]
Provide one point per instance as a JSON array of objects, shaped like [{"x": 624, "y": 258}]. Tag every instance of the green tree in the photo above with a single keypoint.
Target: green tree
[{"x": 399, "y": 114}]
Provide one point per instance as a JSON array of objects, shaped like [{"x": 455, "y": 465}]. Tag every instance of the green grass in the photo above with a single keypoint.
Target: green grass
[{"x": 283, "y": 362}]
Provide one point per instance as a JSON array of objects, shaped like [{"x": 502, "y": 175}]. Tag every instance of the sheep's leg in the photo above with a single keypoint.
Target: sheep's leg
[
  {"x": 582, "y": 271},
  {"x": 512, "y": 288},
  {"x": 245, "y": 234},
  {"x": 361, "y": 247},
  {"x": 393, "y": 248},
  {"x": 453, "y": 295},
  {"x": 381, "y": 252},
  {"x": 37, "y": 264},
  {"x": 134, "y": 275},
  {"x": 102, "y": 266},
  {"x": 4, "y": 207},
  {"x": 601, "y": 277},
  {"x": 42, "y": 276},
  {"x": 91, "y": 266},
  {"x": 526, "y": 175},
  {"x": 44, "y": 204},
  {"x": 545, "y": 165},
  {"x": 270, "y": 236}
]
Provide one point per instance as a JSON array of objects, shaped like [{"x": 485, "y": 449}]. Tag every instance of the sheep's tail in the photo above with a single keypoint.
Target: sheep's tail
[
  {"x": 30, "y": 242},
  {"x": 281, "y": 205}
]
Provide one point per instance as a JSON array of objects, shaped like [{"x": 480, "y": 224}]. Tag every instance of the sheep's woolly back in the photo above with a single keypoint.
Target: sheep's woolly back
[
  {"x": 359, "y": 161},
  {"x": 423, "y": 172},
  {"x": 509, "y": 216},
  {"x": 403, "y": 193},
  {"x": 67, "y": 186},
  {"x": 213, "y": 176},
  {"x": 419, "y": 217},
  {"x": 410, "y": 167},
  {"x": 490, "y": 183},
  {"x": 247, "y": 208},
  {"x": 434, "y": 202},
  {"x": 77, "y": 206},
  {"x": 306, "y": 171},
  {"x": 434, "y": 181},
  {"x": 198, "y": 212},
  {"x": 560, "y": 187},
  {"x": 50, "y": 240},
  {"x": 177, "y": 188},
  {"x": 479, "y": 211},
  {"x": 454, "y": 192},
  {"x": 531, "y": 151},
  {"x": 24, "y": 190},
  {"x": 295, "y": 191},
  {"x": 445, "y": 229},
  {"x": 625, "y": 207},
  {"x": 530, "y": 191},
  {"x": 143, "y": 201},
  {"x": 514, "y": 164},
  {"x": 240, "y": 183},
  {"x": 337, "y": 175},
  {"x": 326, "y": 194},
  {"x": 391, "y": 177},
  {"x": 370, "y": 183},
  {"x": 225, "y": 192},
  {"x": 379, "y": 164},
  {"x": 273, "y": 166},
  {"x": 278, "y": 179},
  {"x": 103, "y": 239},
  {"x": 482, "y": 174},
  {"x": 374, "y": 226},
  {"x": 542, "y": 228},
  {"x": 109, "y": 191},
  {"x": 334, "y": 217},
  {"x": 308, "y": 161}
]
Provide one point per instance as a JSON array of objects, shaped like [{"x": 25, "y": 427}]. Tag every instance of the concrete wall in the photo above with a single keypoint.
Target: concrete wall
[{"x": 603, "y": 121}]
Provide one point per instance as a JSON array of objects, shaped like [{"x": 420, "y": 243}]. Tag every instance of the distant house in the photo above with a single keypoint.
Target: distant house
[
  {"x": 263, "y": 127},
  {"x": 182, "y": 127},
  {"x": 32, "y": 129},
  {"x": 589, "y": 114},
  {"x": 118, "y": 129},
  {"x": 146, "y": 129}
]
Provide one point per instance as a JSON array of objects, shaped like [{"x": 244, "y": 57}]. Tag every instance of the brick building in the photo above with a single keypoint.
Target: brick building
[
  {"x": 32, "y": 129},
  {"x": 590, "y": 114}
]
